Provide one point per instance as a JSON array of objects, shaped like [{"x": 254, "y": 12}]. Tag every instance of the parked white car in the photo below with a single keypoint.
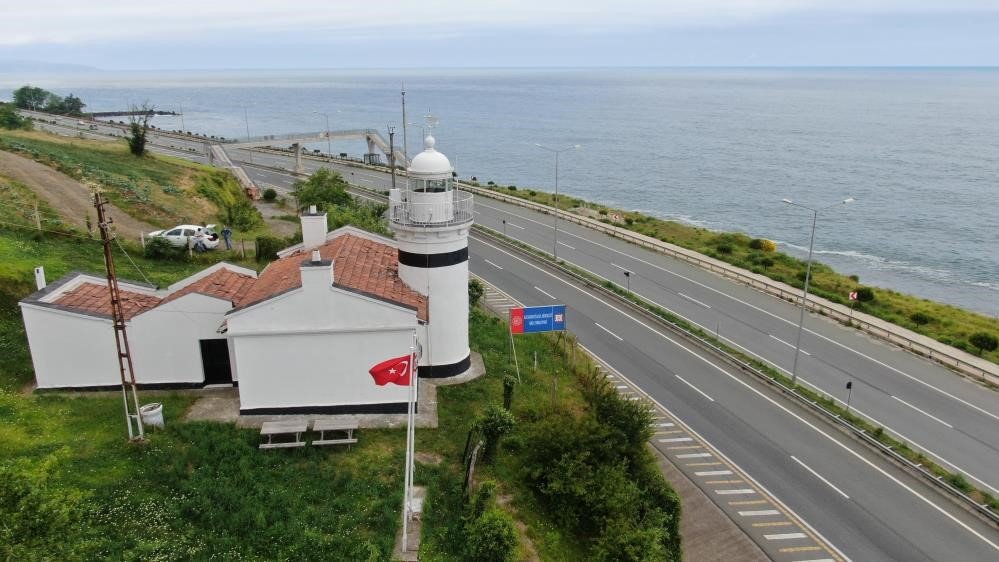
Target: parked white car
[{"x": 184, "y": 234}]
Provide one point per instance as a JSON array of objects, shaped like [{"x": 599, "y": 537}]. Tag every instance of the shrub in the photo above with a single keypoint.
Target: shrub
[
  {"x": 865, "y": 294},
  {"x": 268, "y": 247},
  {"x": 323, "y": 188},
  {"x": 491, "y": 537},
  {"x": 984, "y": 341},
  {"x": 241, "y": 215},
  {"x": 724, "y": 248},
  {"x": 855, "y": 278},
  {"x": 958, "y": 481},
  {"x": 475, "y": 291},
  {"x": 960, "y": 344},
  {"x": 756, "y": 243},
  {"x": 512, "y": 187},
  {"x": 603, "y": 211},
  {"x": 10, "y": 119},
  {"x": 920, "y": 318},
  {"x": 494, "y": 424},
  {"x": 767, "y": 262},
  {"x": 159, "y": 248},
  {"x": 270, "y": 194}
]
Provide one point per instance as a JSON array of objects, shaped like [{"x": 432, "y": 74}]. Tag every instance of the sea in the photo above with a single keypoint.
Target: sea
[{"x": 719, "y": 148}]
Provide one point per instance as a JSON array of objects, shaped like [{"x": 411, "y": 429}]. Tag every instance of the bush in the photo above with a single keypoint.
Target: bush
[
  {"x": 9, "y": 119},
  {"x": 724, "y": 248},
  {"x": 865, "y": 294},
  {"x": 159, "y": 248},
  {"x": 491, "y": 537},
  {"x": 756, "y": 243},
  {"x": 494, "y": 424},
  {"x": 241, "y": 215},
  {"x": 512, "y": 187},
  {"x": 270, "y": 194},
  {"x": 268, "y": 247},
  {"x": 957, "y": 480},
  {"x": 325, "y": 187},
  {"x": 984, "y": 341},
  {"x": 475, "y": 291},
  {"x": 920, "y": 318}
]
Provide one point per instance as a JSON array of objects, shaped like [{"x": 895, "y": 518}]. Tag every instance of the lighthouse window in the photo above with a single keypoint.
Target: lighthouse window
[{"x": 430, "y": 186}]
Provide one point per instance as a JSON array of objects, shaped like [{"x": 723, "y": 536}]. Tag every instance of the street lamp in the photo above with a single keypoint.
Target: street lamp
[
  {"x": 329, "y": 142},
  {"x": 808, "y": 276},
  {"x": 627, "y": 277},
  {"x": 557, "y": 151}
]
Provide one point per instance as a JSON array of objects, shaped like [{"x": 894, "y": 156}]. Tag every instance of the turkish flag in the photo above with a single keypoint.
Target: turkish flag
[{"x": 396, "y": 370}]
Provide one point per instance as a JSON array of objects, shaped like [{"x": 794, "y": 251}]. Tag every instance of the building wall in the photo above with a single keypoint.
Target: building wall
[
  {"x": 165, "y": 341},
  {"x": 312, "y": 347},
  {"x": 75, "y": 350},
  {"x": 70, "y": 350},
  {"x": 284, "y": 371}
]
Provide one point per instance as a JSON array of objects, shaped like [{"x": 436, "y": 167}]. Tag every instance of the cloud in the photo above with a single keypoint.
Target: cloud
[{"x": 65, "y": 22}]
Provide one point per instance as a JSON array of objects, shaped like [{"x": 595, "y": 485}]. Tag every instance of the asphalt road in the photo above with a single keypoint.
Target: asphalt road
[{"x": 951, "y": 419}]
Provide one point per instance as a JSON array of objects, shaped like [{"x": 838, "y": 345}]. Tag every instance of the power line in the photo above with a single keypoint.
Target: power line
[{"x": 122, "y": 248}]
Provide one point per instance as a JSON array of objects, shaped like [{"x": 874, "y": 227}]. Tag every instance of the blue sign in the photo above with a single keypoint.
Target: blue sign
[{"x": 532, "y": 319}]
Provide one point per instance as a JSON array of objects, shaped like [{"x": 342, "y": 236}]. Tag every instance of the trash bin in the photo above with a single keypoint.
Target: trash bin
[{"x": 152, "y": 414}]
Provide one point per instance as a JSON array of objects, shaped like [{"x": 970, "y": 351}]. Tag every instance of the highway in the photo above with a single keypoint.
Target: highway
[{"x": 862, "y": 505}]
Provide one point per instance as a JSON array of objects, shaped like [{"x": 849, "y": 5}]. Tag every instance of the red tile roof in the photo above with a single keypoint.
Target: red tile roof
[
  {"x": 360, "y": 264},
  {"x": 224, "y": 284},
  {"x": 91, "y": 297}
]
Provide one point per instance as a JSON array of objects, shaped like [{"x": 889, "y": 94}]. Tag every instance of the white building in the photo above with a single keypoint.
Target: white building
[{"x": 300, "y": 336}]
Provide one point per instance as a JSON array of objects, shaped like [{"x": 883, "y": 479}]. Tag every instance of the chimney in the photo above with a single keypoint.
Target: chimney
[
  {"x": 313, "y": 228},
  {"x": 316, "y": 272},
  {"x": 40, "y": 278}
]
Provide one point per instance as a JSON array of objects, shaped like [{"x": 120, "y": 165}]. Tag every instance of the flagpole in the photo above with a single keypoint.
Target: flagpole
[{"x": 406, "y": 479}]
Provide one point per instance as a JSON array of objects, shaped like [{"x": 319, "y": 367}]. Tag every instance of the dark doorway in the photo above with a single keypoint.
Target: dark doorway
[{"x": 215, "y": 360}]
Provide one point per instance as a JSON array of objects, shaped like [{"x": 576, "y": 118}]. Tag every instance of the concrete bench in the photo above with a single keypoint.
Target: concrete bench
[
  {"x": 322, "y": 426},
  {"x": 270, "y": 429}
]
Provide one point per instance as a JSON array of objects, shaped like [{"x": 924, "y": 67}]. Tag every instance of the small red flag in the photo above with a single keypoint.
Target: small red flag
[{"x": 396, "y": 370}]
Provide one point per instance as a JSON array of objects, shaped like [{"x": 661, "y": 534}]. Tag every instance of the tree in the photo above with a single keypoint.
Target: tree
[
  {"x": 494, "y": 424},
  {"x": 138, "y": 125},
  {"x": 865, "y": 294},
  {"x": 9, "y": 119},
  {"x": 30, "y": 97},
  {"x": 72, "y": 105},
  {"x": 984, "y": 341},
  {"x": 324, "y": 187}
]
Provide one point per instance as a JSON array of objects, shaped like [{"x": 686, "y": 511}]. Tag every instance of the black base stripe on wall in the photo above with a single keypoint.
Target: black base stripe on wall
[
  {"x": 445, "y": 371},
  {"x": 433, "y": 260},
  {"x": 140, "y": 386},
  {"x": 380, "y": 408}
]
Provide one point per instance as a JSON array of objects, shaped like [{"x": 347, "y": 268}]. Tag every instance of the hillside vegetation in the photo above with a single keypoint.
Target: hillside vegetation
[{"x": 161, "y": 190}]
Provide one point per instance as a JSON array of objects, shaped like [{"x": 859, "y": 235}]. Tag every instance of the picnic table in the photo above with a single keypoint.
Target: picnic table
[
  {"x": 270, "y": 429},
  {"x": 323, "y": 426}
]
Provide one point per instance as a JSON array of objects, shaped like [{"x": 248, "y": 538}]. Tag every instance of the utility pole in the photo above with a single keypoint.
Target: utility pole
[
  {"x": 391, "y": 132},
  {"x": 405, "y": 137},
  {"x": 104, "y": 223}
]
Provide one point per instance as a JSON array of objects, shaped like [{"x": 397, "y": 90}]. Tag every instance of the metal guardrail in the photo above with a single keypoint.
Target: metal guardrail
[
  {"x": 710, "y": 347},
  {"x": 839, "y": 313}
]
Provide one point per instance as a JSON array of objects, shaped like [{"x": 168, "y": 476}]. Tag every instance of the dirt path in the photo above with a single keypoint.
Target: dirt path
[{"x": 70, "y": 198}]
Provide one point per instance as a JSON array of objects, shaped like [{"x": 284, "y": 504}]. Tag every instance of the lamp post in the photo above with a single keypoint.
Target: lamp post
[
  {"x": 627, "y": 277},
  {"x": 557, "y": 151},
  {"x": 808, "y": 277},
  {"x": 329, "y": 142},
  {"x": 246, "y": 119}
]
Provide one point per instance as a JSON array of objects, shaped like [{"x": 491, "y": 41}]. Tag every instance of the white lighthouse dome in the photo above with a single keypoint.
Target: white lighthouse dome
[{"x": 430, "y": 162}]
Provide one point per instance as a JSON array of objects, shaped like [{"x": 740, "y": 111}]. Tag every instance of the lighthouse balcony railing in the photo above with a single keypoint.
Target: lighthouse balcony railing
[{"x": 455, "y": 210}]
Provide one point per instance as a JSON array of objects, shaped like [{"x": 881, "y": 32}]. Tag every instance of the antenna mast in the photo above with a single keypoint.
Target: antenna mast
[{"x": 104, "y": 222}]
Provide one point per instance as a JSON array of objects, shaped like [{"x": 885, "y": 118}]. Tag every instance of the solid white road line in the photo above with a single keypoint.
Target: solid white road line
[
  {"x": 714, "y": 473},
  {"x": 699, "y": 391},
  {"x": 764, "y": 311},
  {"x": 931, "y": 416},
  {"x": 546, "y": 293},
  {"x": 791, "y": 345},
  {"x": 820, "y": 477},
  {"x": 566, "y": 245},
  {"x": 772, "y": 401},
  {"x": 619, "y": 338},
  {"x": 759, "y": 513},
  {"x": 692, "y": 299},
  {"x": 493, "y": 264}
]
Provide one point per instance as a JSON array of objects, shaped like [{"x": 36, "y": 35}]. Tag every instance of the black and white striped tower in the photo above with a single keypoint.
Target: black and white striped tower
[{"x": 431, "y": 220}]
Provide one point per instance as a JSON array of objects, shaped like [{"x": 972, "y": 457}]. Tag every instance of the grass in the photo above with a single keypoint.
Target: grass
[
  {"x": 71, "y": 487},
  {"x": 947, "y": 324},
  {"x": 161, "y": 190}
]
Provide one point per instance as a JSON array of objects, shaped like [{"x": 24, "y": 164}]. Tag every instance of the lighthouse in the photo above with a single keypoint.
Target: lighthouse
[{"x": 431, "y": 220}]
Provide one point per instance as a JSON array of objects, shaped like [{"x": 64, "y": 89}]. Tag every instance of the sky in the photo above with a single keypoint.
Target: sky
[{"x": 204, "y": 34}]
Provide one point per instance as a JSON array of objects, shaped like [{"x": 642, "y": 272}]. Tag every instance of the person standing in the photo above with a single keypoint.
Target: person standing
[{"x": 227, "y": 236}]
